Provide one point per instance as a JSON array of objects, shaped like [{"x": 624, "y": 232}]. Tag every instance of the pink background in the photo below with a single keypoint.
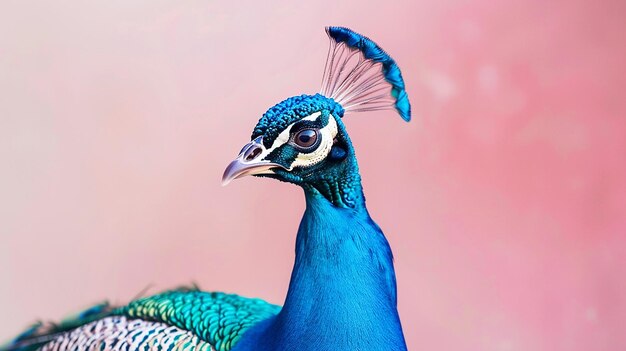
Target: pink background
[{"x": 504, "y": 199}]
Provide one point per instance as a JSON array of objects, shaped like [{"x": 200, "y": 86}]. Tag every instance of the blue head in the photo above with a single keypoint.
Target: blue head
[{"x": 302, "y": 140}]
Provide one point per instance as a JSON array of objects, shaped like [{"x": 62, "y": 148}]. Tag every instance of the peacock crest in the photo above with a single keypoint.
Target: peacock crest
[{"x": 361, "y": 76}]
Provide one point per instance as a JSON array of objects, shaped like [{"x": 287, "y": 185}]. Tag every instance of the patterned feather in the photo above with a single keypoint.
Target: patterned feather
[{"x": 118, "y": 333}]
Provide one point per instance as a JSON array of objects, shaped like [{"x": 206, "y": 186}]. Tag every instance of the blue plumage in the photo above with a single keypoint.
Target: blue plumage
[{"x": 342, "y": 293}]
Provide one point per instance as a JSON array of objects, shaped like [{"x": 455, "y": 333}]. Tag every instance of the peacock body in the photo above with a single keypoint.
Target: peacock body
[{"x": 342, "y": 293}]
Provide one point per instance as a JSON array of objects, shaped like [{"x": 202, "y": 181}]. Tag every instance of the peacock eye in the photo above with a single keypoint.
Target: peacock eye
[{"x": 305, "y": 138}]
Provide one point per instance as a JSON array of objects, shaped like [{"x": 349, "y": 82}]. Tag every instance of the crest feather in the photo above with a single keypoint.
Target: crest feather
[{"x": 361, "y": 76}]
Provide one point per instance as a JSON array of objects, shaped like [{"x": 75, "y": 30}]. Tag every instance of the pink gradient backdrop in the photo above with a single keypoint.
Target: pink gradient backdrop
[{"x": 504, "y": 199}]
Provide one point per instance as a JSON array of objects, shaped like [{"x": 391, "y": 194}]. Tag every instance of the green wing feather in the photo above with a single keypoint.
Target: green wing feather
[{"x": 217, "y": 318}]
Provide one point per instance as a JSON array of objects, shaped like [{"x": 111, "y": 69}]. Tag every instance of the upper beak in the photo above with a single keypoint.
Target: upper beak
[{"x": 250, "y": 161}]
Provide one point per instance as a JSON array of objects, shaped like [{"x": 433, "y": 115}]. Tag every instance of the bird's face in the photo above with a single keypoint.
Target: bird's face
[{"x": 298, "y": 140}]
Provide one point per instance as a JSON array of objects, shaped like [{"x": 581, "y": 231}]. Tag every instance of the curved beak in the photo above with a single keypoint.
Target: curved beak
[{"x": 249, "y": 162}]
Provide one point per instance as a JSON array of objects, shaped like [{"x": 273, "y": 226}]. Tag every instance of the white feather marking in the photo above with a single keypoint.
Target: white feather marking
[
  {"x": 327, "y": 134},
  {"x": 304, "y": 159},
  {"x": 283, "y": 137}
]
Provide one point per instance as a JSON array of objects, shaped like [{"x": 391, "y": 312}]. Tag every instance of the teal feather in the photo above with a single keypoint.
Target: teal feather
[{"x": 217, "y": 318}]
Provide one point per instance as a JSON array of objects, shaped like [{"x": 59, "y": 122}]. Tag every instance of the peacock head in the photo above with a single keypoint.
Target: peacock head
[{"x": 302, "y": 140}]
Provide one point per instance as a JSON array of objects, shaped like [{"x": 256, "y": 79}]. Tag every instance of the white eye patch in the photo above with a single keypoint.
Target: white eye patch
[
  {"x": 283, "y": 137},
  {"x": 304, "y": 159},
  {"x": 327, "y": 134}
]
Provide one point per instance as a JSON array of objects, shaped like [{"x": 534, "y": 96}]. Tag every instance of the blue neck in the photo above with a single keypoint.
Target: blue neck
[{"x": 342, "y": 294}]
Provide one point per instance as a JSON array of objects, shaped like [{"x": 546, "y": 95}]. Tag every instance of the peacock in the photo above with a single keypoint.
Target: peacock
[{"x": 342, "y": 292}]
